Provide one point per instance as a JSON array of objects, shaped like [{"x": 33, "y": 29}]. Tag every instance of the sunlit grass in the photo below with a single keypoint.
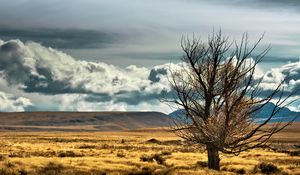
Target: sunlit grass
[{"x": 122, "y": 153}]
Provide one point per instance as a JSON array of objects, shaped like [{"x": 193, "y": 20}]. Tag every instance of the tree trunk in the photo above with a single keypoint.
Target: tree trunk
[{"x": 213, "y": 157}]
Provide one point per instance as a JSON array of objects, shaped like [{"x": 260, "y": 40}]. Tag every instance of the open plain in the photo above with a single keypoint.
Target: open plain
[{"x": 144, "y": 151}]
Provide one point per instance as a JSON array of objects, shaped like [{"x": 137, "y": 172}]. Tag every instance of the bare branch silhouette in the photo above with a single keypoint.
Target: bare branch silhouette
[{"x": 217, "y": 89}]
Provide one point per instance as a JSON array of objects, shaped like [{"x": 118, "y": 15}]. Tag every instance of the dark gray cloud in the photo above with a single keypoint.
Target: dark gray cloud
[
  {"x": 127, "y": 97},
  {"x": 12, "y": 63},
  {"x": 37, "y": 69},
  {"x": 272, "y": 59},
  {"x": 143, "y": 33},
  {"x": 147, "y": 29},
  {"x": 293, "y": 4},
  {"x": 155, "y": 74},
  {"x": 263, "y": 4},
  {"x": 62, "y": 38},
  {"x": 19, "y": 69}
]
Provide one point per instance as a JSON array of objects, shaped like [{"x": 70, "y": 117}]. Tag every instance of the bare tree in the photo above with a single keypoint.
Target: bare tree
[{"x": 220, "y": 95}]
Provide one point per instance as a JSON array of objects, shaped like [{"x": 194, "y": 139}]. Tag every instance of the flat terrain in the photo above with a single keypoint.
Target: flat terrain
[
  {"x": 81, "y": 121},
  {"x": 144, "y": 151}
]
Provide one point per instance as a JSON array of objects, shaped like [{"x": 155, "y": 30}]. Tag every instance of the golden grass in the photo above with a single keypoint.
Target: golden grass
[{"x": 122, "y": 153}]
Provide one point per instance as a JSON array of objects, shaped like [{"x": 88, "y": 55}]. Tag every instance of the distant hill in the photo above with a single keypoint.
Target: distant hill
[
  {"x": 284, "y": 114},
  {"x": 81, "y": 121},
  {"x": 177, "y": 114}
]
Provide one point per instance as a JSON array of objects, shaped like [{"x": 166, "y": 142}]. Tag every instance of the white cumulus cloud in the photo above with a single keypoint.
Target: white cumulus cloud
[
  {"x": 9, "y": 102},
  {"x": 77, "y": 85},
  {"x": 35, "y": 68}
]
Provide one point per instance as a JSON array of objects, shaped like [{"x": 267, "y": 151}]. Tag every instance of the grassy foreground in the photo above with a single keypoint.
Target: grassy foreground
[{"x": 140, "y": 152}]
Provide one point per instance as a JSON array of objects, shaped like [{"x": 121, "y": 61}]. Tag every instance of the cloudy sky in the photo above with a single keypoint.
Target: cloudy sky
[{"x": 74, "y": 55}]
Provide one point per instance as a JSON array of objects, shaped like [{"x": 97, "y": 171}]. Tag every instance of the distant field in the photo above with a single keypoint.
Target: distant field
[
  {"x": 81, "y": 121},
  {"x": 290, "y": 134},
  {"x": 144, "y": 151}
]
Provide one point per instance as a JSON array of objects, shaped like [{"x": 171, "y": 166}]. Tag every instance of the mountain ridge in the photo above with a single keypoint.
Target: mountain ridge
[{"x": 283, "y": 115}]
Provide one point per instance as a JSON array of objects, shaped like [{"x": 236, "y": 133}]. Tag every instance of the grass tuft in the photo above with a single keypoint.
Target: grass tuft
[
  {"x": 67, "y": 154},
  {"x": 51, "y": 168},
  {"x": 266, "y": 168}
]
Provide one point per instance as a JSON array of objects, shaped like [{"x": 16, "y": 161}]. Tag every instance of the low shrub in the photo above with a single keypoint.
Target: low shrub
[
  {"x": 87, "y": 146},
  {"x": 22, "y": 172},
  {"x": 67, "y": 154},
  {"x": 51, "y": 169},
  {"x": 121, "y": 155},
  {"x": 16, "y": 154},
  {"x": 146, "y": 158},
  {"x": 143, "y": 172},
  {"x": 150, "y": 158},
  {"x": 2, "y": 157},
  {"x": 152, "y": 171},
  {"x": 166, "y": 153},
  {"x": 159, "y": 159},
  {"x": 202, "y": 163},
  {"x": 294, "y": 153},
  {"x": 10, "y": 168},
  {"x": 8, "y": 171},
  {"x": 224, "y": 168},
  {"x": 241, "y": 171},
  {"x": 105, "y": 146},
  {"x": 9, "y": 164},
  {"x": 266, "y": 168},
  {"x": 47, "y": 153}
]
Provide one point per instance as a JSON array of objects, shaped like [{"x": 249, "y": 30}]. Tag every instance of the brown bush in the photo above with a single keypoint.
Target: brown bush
[
  {"x": 87, "y": 146},
  {"x": 121, "y": 155},
  {"x": 266, "y": 168},
  {"x": 150, "y": 158},
  {"x": 202, "y": 163},
  {"x": 51, "y": 169},
  {"x": 67, "y": 154}
]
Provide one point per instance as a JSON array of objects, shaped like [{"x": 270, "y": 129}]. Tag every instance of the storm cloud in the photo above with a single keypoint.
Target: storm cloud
[
  {"x": 62, "y": 38},
  {"x": 267, "y": 4},
  {"x": 147, "y": 33},
  {"x": 34, "y": 68},
  {"x": 82, "y": 85}
]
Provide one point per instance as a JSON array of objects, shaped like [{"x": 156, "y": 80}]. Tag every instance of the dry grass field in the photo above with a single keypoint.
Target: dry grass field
[{"x": 135, "y": 152}]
